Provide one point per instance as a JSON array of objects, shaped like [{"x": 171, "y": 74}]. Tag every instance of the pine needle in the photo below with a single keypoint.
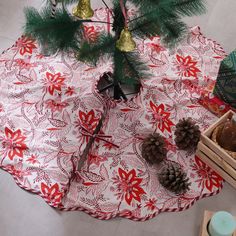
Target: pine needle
[
  {"x": 129, "y": 68},
  {"x": 56, "y": 34},
  {"x": 66, "y": 2},
  {"x": 189, "y": 7},
  {"x": 163, "y": 18},
  {"x": 91, "y": 53}
]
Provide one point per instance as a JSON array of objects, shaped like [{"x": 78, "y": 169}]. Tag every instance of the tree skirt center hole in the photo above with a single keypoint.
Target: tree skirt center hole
[{"x": 125, "y": 91}]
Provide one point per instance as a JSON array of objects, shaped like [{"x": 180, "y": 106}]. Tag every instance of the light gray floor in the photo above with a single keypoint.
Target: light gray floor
[{"x": 24, "y": 214}]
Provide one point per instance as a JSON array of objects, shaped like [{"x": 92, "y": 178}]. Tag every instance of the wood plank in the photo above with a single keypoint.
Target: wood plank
[
  {"x": 223, "y": 118},
  {"x": 206, "y": 218},
  {"x": 216, "y": 158},
  {"x": 217, "y": 149},
  {"x": 216, "y": 168},
  {"x": 206, "y": 138}
]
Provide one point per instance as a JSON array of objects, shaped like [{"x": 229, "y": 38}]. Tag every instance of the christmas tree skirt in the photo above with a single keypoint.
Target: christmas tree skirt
[{"x": 49, "y": 108}]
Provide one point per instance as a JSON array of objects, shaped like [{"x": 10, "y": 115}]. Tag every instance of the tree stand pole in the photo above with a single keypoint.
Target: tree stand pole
[{"x": 84, "y": 155}]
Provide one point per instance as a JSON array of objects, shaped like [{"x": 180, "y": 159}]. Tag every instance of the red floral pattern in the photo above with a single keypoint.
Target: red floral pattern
[
  {"x": 18, "y": 171},
  {"x": 128, "y": 186},
  {"x": 96, "y": 160},
  {"x": 53, "y": 82},
  {"x": 56, "y": 105},
  {"x": 25, "y": 45},
  {"x": 88, "y": 120},
  {"x": 161, "y": 117},
  {"x": 156, "y": 47},
  {"x": 33, "y": 160},
  {"x": 90, "y": 33},
  {"x": 51, "y": 193},
  {"x": 57, "y": 118},
  {"x": 70, "y": 91},
  {"x": 207, "y": 177},
  {"x": 186, "y": 66},
  {"x": 13, "y": 143},
  {"x": 151, "y": 204}
]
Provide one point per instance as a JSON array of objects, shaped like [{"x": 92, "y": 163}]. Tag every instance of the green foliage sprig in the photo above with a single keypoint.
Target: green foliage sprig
[{"x": 60, "y": 33}]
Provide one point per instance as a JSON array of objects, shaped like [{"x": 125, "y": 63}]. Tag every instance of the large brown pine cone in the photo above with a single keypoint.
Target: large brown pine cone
[
  {"x": 187, "y": 134},
  {"x": 153, "y": 149},
  {"x": 173, "y": 178}
]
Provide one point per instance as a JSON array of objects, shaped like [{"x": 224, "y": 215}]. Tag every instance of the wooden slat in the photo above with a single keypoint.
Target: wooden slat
[
  {"x": 205, "y": 138},
  {"x": 216, "y": 158},
  {"x": 217, "y": 149},
  {"x": 223, "y": 118},
  {"x": 206, "y": 218},
  {"x": 216, "y": 168}
]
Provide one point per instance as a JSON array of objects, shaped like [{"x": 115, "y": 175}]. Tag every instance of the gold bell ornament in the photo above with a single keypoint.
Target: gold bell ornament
[
  {"x": 126, "y": 43},
  {"x": 83, "y": 10}
]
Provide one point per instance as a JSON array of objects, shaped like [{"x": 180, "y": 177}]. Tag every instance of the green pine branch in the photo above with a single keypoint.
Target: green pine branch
[
  {"x": 118, "y": 61},
  {"x": 56, "y": 34},
  {"x": 157, "y": 17},
  {"x": 160, "y": 22},
  {"x": 119, "y": 20},
  {"x": 135, "y": 67},
  {"x": 129, "y": 69},
  {"x": 66, "y": 2},
  {"x": 189, "y": 7},
  {"x": 163, "y": 18},
  {"x": 181, "y": 7},
  {"x": 173, "y": 32},
  {"x": 91, "y": 52}
]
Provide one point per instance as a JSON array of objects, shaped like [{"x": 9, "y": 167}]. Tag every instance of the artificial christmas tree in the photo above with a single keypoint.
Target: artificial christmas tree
[{"x": 66, "y": 33}]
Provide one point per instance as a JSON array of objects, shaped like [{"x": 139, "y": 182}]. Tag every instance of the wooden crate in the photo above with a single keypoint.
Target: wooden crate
[
  {"x": 206, "y": 219},
  {"x": 215, "y": 156}
]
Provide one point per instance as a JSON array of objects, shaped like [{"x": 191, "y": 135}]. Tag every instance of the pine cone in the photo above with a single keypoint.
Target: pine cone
[
  {"x": 153, "y": 148},
  {"x": 187, "y": 134},
  {"x": 173, "y": 178}
]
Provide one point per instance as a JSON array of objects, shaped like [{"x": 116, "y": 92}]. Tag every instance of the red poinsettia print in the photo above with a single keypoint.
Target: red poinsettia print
[
  {"x": 90, "y": 33},
  {"x": 156, "y": 47},
  {"x": 13, "y": 143},
  {"x": 128, "y": 186},
  {"x": 25, "y": 45},
  {"x": 70, "y": 91},
  {"x": 206, "y": 176},
  {"x": 96, "y": 160},
  {"x": 32, "y": 160},
  {"x": 161, "y": 117},
  {"x": 88, "y": 120},
  {"x": 55, "y": 105},
  {"x": 151, "y": 204},
  {"x": 24, "y": 63},
  {"x": 17, "y": 171},
  {"x": 186, "y": 66},
  {"x": 192, "y": 85},
  {"x": 53, "y": 82},
  {"x": 51, "y": 193}
]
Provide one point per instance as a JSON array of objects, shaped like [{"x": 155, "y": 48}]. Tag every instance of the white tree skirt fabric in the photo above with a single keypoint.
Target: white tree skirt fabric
[{"x": 49, "y": 108}]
